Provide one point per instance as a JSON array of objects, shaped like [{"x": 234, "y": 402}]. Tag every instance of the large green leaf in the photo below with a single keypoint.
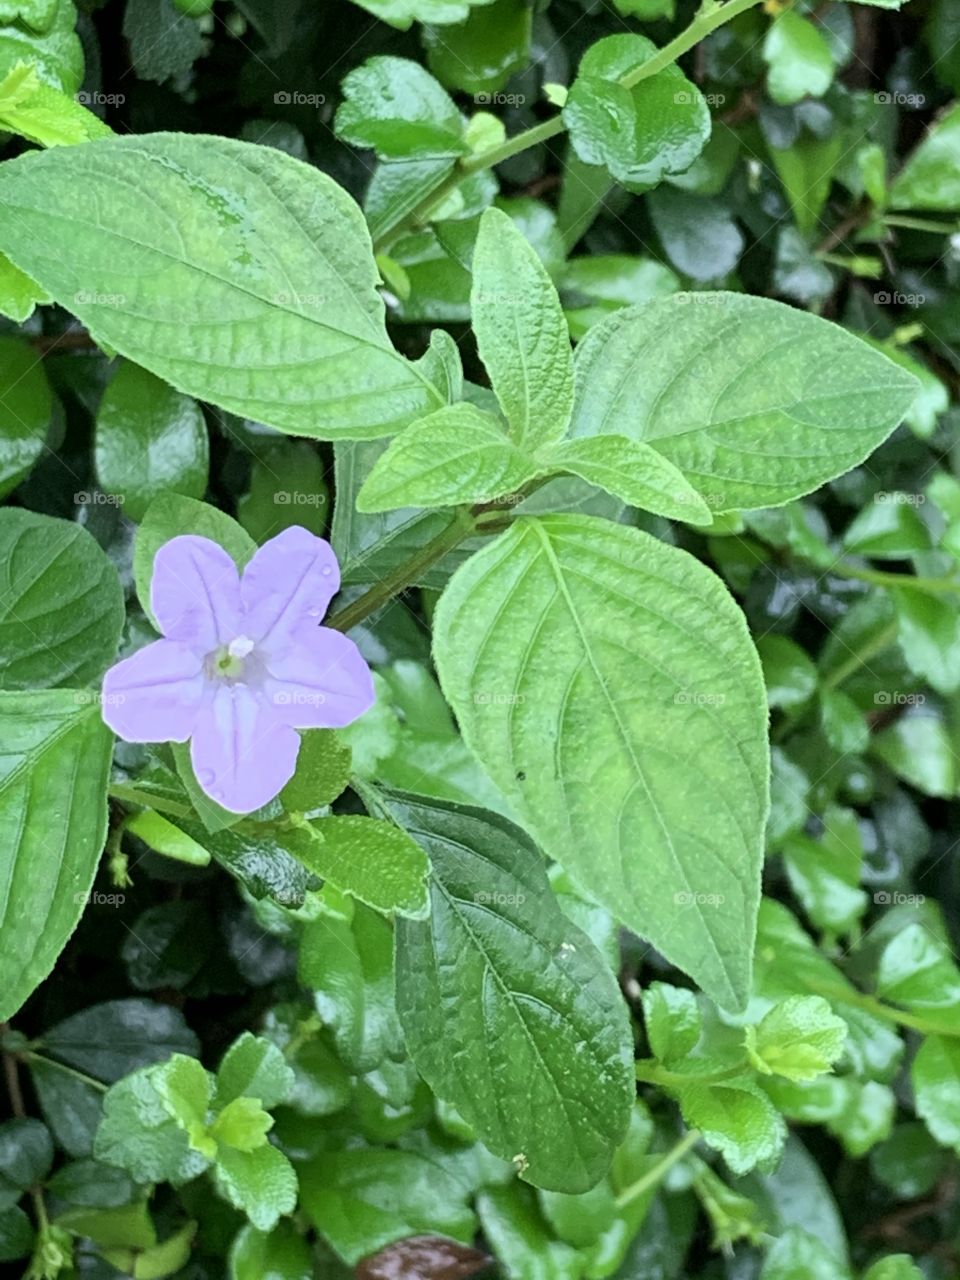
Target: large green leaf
[
  {"x": 61, "y": 605},
  {"x": 755, "y": 402},
  {"x": 498, "y": 963},
  {"x": 54, "y": 762},
  {"x": 25, "y": 409},
  {"x": 234, "y": 272},
  {"x": 609, "y": 686}
]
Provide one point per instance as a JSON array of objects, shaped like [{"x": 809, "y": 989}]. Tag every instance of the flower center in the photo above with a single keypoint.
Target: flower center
[{"x": 228, "y": 662}]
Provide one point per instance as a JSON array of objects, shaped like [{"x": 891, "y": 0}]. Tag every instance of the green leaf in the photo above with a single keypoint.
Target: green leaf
[
  {"x": 754, "y": 402},
  {"x": 361, "y": 1201},
  {"x": 262, "y": 1183},
  {"x": 799, "y": 1038},
  {"x": 55, "y": 52},
  {"x": 806, "y": 169},
  {"x": 162, "y": 44},
  {"x": 180, "y": 265},
  {"x": 737, "y": 1119},
  {"x": 930, "y": 178},
  {"x": 633, "y": 471},
  {"x": 172, "y": 514},
  {"x": 641, "y": 134},
  {"x": 396, "y": 107},
  {"x": 19, "y": 294},
  {"x": 521, "y": 333},
  {"x": 918, "y": 749},
  {"x": 457, "y": 455},
  {"x": 798, "y": 1255},
  {"x": 163, "y": 837},
  {"x": 54, "y": 763},
  {"x": 26, "y": 1154},
  {"x": 88, "y": 1184},
  {"x": 69, "y": 1105},
  {"x": 110, "y": 1040},
  {"x": 287, "y": 487},
  {"x": 375, "y": 862},
  {"x": 242, "y": 1125},
  {"x": 698, "y": 233},
  {"x": 324, "y": 766},
  {"x": 917, "y": 969},
  {"x": 253, "y": 1068},
  {"x": 281, "y": 1254},
  {"x": 138, "y": 1133},
  {"x": 928, "y": 631},
  {"x": 401, "y": 13},
  {"x": 498, "y": 963},
  {"x": 150, "y": 440},
  {"x": 593, "y": 287},
  {"x": 550, "y": 648},
  {"x": 889, "y": 528},
  {"x": 935, "y": 1076},
  {"x": 671, "y": 1016},
  {"x": 349, "y": 968},
  {"x": 909, "y": 1162},
  {"x": 520, "y": 1238},
  {"x": 896, "y": 1266},
  {"x": 789, "y": 674},
  {"x": 798, "y": 58},
  {"x": 26, "y": 406},
  {"x": 42, "y": 114},
  {"x": 16, "y": 1235},
  {"x": 61, "y": 605},
  {"x": 185, "y": 1087}
]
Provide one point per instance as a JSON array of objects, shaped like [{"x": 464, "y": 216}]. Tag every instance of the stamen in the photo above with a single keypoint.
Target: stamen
[{"x": 240, "y": 647}]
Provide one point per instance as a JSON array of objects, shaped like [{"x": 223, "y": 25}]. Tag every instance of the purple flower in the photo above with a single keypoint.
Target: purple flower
[{"x": 244, "y": 663}]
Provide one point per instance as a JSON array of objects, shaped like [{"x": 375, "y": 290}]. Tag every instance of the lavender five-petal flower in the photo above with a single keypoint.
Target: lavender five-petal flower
[{"x": 243, "y": 665}]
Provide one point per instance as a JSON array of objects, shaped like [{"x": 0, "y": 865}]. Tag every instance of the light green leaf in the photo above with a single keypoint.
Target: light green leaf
[
  {"x": 737, "y": 1119},
  {"x": 374, "y": 861},
  {"x": 935, "y": 1075},
  {"x": 262, "y": 1183},
  {"x": 150, "y": 440},
  {"x": 139, "y": 1134},
  {"x": 185, "y": 1088},
  {"x": 54, "y": 50},
  {"x": 918, "y": 748},
  {"x": 888, "y": 528},
  {"x": 799, "y": 1038},
  {"x": 593, "y": 286},
  {"x": 360, "y": 1201},
  {"x": 799, "y": 1255},
  {"x": 799, "y": 63},
  {"x": 42, "y": 114},
  {"x": 754, "y": 402},
  {"x": 521, "y": 333},
  {"x": 458, "y": 454},
  {"x": 498, "y": 963},
  {"x": 671, "y": 1016},
  {"x": 633, "y": 471},
  {"x": 282, "y": 1254},
  {"x": 54, "y": 763},
  {"x": 402, "y": 13},
  {"x": 19, "y": 294},
  {"x": 788, "y": 672},
  {"x": 26, "y": 406},
  {"x": 930, "y": 179},
  {"x": 550, "y": 648},
  {"x": 253, "y": 1068},
  {"x": 324, "y": 766},
  {"x": 194, "y": 256},
  {"x": 928, "y": 631},
  {"x": 61, "y": 605},
  {"x": 917, "y": 969},
  {"x": 641, "y": 134},
  {"x": 396, "y": 107},
  {"x": 163, "y": 837},
  {"x": 242, "y": 1125}
]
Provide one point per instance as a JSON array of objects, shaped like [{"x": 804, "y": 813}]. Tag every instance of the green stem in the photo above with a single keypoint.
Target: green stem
[
  {"x": 30, "y": 1056},
  {"x": 17, "y": 1106},
  {"x": 406, "y": 574},
  {"x": 888, "y": 1012},
  {"x": 710, "y": 16},
  {"x": 920, "y": 224},
  {"x": 650, "y": 1072},
  {"x": 127, "y": 794},
  {"x": 938, "y": 586},
  {"x": 653, "y": 1177}
]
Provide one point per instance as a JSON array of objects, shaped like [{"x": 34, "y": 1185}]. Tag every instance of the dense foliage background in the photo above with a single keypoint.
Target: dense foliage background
[{"x": 831, "y": 182}]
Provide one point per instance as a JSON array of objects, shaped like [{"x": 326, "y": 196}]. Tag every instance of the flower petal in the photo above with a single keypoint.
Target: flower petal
[
  {"x": 241, "y": 753},
  {"x": 155, "y": 695},
  {"x": 291, "y": 579},
  {"x": 195, "y": 592},
  {"x": 323, "y": 685}
]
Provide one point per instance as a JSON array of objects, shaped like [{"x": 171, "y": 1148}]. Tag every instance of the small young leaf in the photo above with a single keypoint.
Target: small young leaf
[
  {"x": 253, "y": 1068},
  {"x": 262, "y": 1183},
  {"x": 457, "y": 455},
  {"x": 521, "y": 333},
  {"x": 672, "y": 1019},
  {"x": 800, "y": 1038},
  {"x": 798, "y": 58},
  {"x": 242, "y": 1125},
  {"x": 641, "y": 134},
  {"x": 397, "y": 107},
  {"x": 633, "y": 471}
]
